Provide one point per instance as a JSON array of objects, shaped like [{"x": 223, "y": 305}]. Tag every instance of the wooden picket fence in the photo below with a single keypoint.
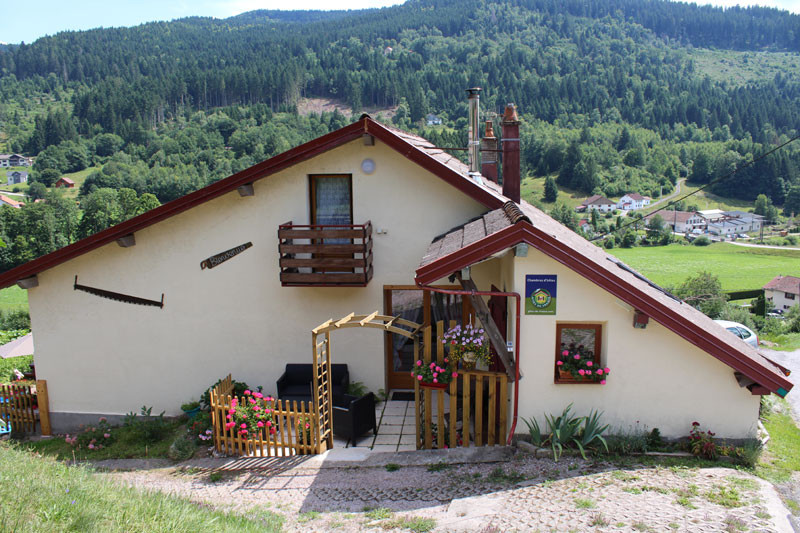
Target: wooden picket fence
[
  {"x": 484, "y": 418},
  {"x": 24, "y": 405},
  {"x": 290, "y": 438}
]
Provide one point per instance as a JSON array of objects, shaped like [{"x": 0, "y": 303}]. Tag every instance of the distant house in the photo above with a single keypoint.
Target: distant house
[
  {"x": 783, "y": 292},
  {"x": 752, "y": 221},
  {"x": 5, "y": 200},
  {"x": 387, "y": 51},
  {"x": 585, "y": 225},
  {"x": 679, "y": 221},
  {"x": 15, "y": 177},
  {"x": 14, "y": 160},
  {"x": 728, "y": 226},
  {"x": 598, "y": 202},
  {"x": 433, "y": 120},
  {"x": 633, "y": 201},
  {"x": 64, "y": 182},
  {"x": 711, "y": 215}
]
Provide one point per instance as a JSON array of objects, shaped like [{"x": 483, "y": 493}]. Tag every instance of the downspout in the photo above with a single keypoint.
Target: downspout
[{"x": 518, "y": 299}]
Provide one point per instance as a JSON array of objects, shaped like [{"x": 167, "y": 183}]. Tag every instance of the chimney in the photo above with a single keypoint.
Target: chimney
[
  {"x": 510, "y": 142},
  {"x": 474, "y": 145},
  {"x": 489, "y": 153}
]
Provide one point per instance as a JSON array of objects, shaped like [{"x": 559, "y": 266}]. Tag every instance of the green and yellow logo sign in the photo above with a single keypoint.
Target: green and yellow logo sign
[{"x": 540, "y": 295}]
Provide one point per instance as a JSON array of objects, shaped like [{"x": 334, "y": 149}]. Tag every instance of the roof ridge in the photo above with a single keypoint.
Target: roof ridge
[{"x": 514, "y": 213}]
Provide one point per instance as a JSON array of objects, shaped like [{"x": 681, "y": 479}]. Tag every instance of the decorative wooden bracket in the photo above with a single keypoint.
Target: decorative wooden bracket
[
  {"x": 127, "y": 241},
  {"x": 118, "y": 296},
  {"x": 28, "y": 283},
  {"x": 220, "y": 258},
  {"x": 495, "y": 337},
  {"x": 640, "y": 320},
  {"x": 754, "y": 388},
  {"x": 246, "y": 190}
]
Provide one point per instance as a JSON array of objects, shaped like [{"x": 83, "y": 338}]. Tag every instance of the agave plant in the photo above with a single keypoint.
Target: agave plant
[
  {"x": 591, "y": 431},
  {"x": 537, "y": 438},
  {"x": 563, "y": 430}
]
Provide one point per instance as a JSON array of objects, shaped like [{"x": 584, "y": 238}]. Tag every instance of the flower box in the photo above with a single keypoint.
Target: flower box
[{"x": 440, "y": 386}]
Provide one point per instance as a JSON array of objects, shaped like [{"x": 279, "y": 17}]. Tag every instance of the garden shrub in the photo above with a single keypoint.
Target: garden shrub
[
  {"x": 94, "y": 437},
  {"x": 701, "y": 241},
  {"x": 7, "y": 366},
  {"x": 147, "y": 428},
  {"x": 18, "y": 319},
  {"x": 182, "y": 448}
]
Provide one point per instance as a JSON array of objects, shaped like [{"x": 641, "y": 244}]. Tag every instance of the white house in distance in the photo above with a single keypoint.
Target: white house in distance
[
  {"x": 222, "y": 289},
  {"x": 633, "y": 201},
  {"x": 783, "y": 292},
  {"x": 14, "y": 160},
  {"x": 15, "y": 177},
  {"x": 599, "y": 203},
  {"x": 679, "y": 221}
]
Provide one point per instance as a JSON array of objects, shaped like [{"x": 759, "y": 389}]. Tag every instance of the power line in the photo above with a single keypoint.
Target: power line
[{"x": 709, "y": 184}]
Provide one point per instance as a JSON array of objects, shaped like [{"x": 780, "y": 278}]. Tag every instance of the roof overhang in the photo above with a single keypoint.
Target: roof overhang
[{"x": 525, "y": 232}]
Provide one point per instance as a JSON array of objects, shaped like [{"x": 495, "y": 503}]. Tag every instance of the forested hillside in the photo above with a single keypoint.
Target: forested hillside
[{"x": 611, "y": 93}]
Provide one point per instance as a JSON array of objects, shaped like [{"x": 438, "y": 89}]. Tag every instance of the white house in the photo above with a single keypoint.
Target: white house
[
  {"x": 433, "y": 120},
  {"x": 750, "y": 221},
  {"x": 679, "y": 221},
  {"x": 14, "y": 160},
  {"x": 633, "y": 201},
  {"x": 599, "y": 203},
  {"x": 783, "y": 292},
  {"x": 222, "y": 288},
  {"x": 15, "y": 177},
  {"x": 728, "y": 227}
]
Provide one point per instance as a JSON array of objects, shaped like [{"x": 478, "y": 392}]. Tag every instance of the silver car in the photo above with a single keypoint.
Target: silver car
[{"x": 741, "y": 331}]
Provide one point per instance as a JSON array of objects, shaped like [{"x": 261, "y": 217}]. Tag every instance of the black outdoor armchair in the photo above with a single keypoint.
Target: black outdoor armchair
[
  {"x": 295, "y": 383},
  {"x": 352, "y": 416}
]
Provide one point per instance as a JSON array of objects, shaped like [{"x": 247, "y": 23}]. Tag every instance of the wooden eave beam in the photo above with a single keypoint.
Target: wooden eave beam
[
  {"x": 127, "y": 241},
  {"x": 495, "y": 337},
  {"x": 246, "y": 190},
  {"x": 28, "y": 283}
]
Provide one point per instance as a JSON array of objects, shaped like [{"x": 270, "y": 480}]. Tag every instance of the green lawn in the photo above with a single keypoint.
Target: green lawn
[
  {"x": 738, "y": 268},
  {"x": 13, "y": 298},
  {"x": 41, "y": 494},
  {"x": 79, "y": 177}
]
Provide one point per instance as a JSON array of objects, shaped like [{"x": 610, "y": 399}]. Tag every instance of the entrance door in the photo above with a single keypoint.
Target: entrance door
[{"x": 426, "y": 308}]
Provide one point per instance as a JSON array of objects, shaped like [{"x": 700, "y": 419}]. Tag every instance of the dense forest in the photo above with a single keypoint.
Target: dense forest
[{"x": 611, "y": 96}]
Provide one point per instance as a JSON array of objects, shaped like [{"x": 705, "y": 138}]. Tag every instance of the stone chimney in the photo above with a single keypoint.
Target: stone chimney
[
  {"x": 511, "y": 177},
  {"x": 489, "y": 153}
]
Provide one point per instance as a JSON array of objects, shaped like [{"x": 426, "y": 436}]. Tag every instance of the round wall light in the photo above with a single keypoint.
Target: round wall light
[{"x": 368, "y": 166}]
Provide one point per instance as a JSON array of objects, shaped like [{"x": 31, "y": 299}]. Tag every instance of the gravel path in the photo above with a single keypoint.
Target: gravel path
[{"x": 522, "y": 494}]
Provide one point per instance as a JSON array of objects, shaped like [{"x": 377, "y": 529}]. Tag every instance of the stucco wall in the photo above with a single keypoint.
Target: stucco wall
[
  {"x": 657, "y": 379},
  {"x": 779, "y": 300},
  {"x": 101, "y": 356}
]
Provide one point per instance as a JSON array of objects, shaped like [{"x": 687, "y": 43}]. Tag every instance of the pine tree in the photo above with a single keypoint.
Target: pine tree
[{"x": 550, "y": 189}]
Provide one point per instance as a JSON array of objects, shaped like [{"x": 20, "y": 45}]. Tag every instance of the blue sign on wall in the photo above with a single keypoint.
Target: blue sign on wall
[{"x": 540, "y": 294}]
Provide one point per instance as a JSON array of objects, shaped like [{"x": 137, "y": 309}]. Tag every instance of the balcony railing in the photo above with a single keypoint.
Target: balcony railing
[{"x": 325, "y": 255}]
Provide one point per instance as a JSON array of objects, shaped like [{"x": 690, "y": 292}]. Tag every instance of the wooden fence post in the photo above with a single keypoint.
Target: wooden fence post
[{"x": 43, "y": 401}]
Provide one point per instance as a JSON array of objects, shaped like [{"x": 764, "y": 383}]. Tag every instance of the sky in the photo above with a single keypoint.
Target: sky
[{"x": 34, "y": 19}]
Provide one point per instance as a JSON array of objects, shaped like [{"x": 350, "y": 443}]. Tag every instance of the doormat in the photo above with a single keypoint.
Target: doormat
[{"x": 403, "y": 396}]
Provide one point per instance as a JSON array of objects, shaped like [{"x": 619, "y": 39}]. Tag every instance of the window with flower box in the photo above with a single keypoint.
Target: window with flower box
[{"x": 577, "y": 358}]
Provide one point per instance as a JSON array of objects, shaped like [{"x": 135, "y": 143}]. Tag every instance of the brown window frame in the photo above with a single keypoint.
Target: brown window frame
[
  {"x": 312, "y": 186},
  {"x": 598, "y": 346}
]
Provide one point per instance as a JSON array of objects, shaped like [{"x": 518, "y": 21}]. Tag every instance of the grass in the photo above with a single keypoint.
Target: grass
[
  {"x": 498, "y": 475},
  {"x": 788, "y": 342},
  {"x": 13, "y": 298},
  {"x": 725, "y": 496},
  {"x": 41, "y": 494},
  {"x": 438, "y": 467},
  {"x": 740, "y": 68},
  {"x": 738, "y": 268},
  {"x": 392, "y": 467},
  {"x": 782, "y": 456},
  {"x": 78, "y": 177},
  {"x": 416, "y": 524},
  {"x": 584, "y": 503},
  {"x": 125, "y": 446}
]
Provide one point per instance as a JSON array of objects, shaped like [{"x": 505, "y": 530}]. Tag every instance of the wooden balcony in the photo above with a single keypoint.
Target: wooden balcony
[{"x": 325, "y": 256}]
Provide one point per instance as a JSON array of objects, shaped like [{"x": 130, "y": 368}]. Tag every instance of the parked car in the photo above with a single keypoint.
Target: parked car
[{"x": 741, "y": 331}]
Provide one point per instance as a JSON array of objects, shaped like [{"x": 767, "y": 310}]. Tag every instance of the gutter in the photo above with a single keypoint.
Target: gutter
[{"x": 518, "y": 299}]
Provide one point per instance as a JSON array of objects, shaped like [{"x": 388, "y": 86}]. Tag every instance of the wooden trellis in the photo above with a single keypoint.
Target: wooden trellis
[{"x": 322, "y": 358}]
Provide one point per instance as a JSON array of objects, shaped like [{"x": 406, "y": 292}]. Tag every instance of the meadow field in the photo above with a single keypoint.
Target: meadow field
[{"x": 738, "y": 267}]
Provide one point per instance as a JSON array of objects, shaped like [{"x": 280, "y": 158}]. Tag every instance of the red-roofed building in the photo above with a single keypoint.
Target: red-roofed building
[
  {"x": 64, "y": 182},
  {"x": 783, "y": 292},
  {"x": 10, "y": 202},
  {"x": 225, "y": 282},
  {"x": 599, "y": 203}
]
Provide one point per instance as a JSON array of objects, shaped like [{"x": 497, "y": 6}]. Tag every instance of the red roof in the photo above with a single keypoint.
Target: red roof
[
  {"x": 66, "y": 180},
  {"x": 672, "y": 217},
  {"x": 413, "y": 147},
  {"x": 446, "y": 255},
  {"x": 10, "y": 201},
  {"x": 788, "y": 284}
]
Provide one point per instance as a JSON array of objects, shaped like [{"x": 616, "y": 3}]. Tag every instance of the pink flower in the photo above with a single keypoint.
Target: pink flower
[
  {"x": 419, "y": 378},
  {"x": 243, "y": 426},
  {"x": 602, "y": 382},
  {"x": 589, "y": 363},
  {"x": 91, "y": 446},
  {"x": 433, "y": 365},
  {"x": 446, "y": 360},
  {"x": 308, "y": 425},
  {"x": 258, "y": 395},
  {"x": 229, "y": 425},
  {"x": 559, "y": 363},
  {"x": 565, "y": 353},
  {"x": 106, "y": 435},
  {"x": 260, "y": 424},
  {"x": 606, "y": 370},
  {"x": 231, "y": 411},
  {"x": 419, "y": 363},
  {"x": 268, "y": 424},
  {"x": 246, "y": 393},
  {"x": 599, "y": 371},
  {"x": 577, "y": 356},
  {"x": 581, "y": 372},
  {"x": 435, "y": 380},
  {"x": 103, "y": 419},
  {"x": 435, "y": 374},
  {"x": 455, "y": 374}
]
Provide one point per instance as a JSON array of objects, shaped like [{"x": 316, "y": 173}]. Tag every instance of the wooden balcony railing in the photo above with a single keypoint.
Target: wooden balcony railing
[{"x": 325, "y": 255}]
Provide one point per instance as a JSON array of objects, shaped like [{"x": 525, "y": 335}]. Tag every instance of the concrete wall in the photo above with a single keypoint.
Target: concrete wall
[
  {"x": 102, "y": 356},
  {"x": 657, "y": 379}
]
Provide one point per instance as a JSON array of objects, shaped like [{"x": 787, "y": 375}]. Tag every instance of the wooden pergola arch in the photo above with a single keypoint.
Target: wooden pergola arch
[{"x": 322, "y": 358}]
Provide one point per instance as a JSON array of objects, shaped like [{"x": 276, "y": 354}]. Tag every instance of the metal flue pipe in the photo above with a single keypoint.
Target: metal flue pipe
[{"x": 474, "y": 145}]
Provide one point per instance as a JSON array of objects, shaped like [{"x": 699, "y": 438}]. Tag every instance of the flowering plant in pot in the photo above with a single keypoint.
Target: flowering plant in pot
[
  {"x": 252, "y": 416},
  {"x": 467, "y": 344},
  {"x": 573, "y": 362},
  {"x": 434, "y": 375}
]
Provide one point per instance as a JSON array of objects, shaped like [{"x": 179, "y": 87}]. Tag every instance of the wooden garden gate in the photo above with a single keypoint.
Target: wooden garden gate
[{"x": 321, "y": 343}]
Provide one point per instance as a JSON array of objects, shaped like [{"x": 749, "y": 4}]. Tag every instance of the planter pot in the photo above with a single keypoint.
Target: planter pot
[
  {"x": 191, "y": 413},
  {"x": 468, "y": 360},
  {"x": 440, "y": 386}
]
